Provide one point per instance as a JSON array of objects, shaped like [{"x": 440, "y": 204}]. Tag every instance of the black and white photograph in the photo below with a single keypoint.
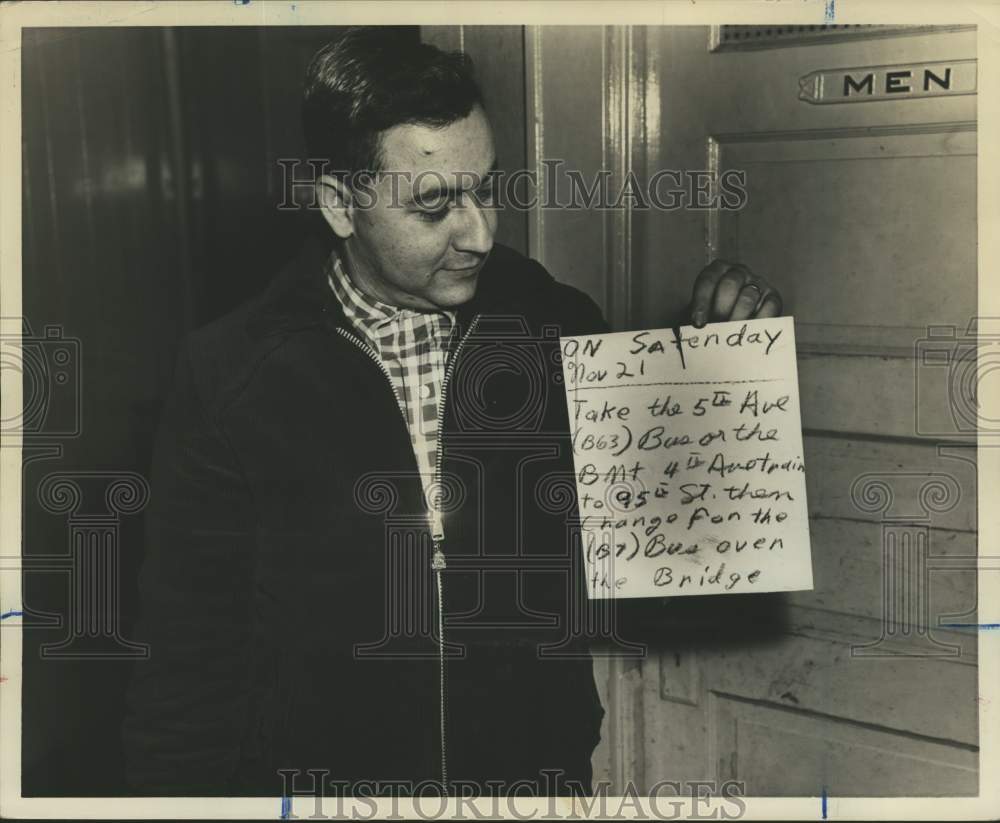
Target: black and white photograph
[{"x": 535, "y": 410}]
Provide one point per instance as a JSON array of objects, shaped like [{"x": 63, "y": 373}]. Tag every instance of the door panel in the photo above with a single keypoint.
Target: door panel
[
  {"x": 852, "y": 759},
  {"x": 857, "y": 209}
]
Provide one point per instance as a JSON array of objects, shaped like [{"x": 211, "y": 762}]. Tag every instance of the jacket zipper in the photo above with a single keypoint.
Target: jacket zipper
[
  {"x": 438, "y": 563},
  {"x": 378, "y": 362}
]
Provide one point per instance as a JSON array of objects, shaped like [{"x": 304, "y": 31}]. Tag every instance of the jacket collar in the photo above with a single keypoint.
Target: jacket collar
[{"x": 300, "y": 296}]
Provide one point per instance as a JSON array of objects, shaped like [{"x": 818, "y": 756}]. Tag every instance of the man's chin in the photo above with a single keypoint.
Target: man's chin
[{"x": 457, "y": 293}]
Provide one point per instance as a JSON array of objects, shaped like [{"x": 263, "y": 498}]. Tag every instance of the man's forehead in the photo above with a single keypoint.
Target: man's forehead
[{"x": 463, "y": 146}]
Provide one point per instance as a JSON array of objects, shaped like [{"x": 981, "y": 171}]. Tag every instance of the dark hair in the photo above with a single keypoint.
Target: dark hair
[{"x": 373, "y": 78}]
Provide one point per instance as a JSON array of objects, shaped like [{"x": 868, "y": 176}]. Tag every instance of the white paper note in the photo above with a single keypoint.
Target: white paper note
[{"x": 687, "y": 447}]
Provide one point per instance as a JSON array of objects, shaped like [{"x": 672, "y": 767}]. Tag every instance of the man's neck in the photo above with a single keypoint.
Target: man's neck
[{"x": 373, "y": 289}]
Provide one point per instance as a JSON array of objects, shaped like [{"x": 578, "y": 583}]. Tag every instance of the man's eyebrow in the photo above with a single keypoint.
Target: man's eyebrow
[{"x": 435, "y": 193}]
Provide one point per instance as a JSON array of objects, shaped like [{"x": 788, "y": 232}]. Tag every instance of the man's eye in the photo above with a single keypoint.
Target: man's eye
[
  {"x": 485, "y": 195},
  {"x": 434, "y": 216}
]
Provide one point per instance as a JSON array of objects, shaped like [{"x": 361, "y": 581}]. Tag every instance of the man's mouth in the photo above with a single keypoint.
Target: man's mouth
[{"x": 467, "y": 270}]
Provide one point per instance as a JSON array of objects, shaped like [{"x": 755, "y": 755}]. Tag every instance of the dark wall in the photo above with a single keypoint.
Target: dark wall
[{"x": 151, "y": 187}]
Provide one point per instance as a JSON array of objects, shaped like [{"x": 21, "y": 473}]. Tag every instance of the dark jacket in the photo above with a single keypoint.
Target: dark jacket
[{"x": 287, "y": 593}]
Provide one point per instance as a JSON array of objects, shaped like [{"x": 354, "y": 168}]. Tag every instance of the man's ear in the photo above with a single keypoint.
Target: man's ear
[{"x": 336, "y": 204}]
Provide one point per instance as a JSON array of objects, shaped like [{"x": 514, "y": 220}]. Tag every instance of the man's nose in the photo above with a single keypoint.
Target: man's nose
[{"x": 476, "y": 232}]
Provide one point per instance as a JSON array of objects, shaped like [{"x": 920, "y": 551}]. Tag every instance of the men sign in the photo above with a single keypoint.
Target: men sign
[
  {"x": 898, "y": 82},
  {"x": 687, "y": 447}
]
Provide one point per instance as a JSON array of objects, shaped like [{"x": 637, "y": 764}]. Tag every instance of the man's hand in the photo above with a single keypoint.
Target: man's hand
[{"x": 730, "y": 291}]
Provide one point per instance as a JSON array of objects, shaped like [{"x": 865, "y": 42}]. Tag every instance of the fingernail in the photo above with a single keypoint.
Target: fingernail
[{"x": 699, "y": 318}]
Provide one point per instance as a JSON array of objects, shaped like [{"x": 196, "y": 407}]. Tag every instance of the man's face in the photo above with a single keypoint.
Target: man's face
[{"x": 424, "y": 239}]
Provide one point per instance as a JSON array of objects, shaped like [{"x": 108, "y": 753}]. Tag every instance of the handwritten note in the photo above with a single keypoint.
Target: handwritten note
[{"x": 687, "y": 447}]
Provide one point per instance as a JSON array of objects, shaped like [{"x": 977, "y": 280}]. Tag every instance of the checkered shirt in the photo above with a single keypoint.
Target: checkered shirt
[{"x": 414, "y": 347}]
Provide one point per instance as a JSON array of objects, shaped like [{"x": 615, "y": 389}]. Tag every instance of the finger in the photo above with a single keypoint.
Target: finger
[
  {"x": 746, "y": 302},
  {"x": 727, "y": 292},
  {"x": 770, "y": 306},
  {"x": 704, "y": 291}
]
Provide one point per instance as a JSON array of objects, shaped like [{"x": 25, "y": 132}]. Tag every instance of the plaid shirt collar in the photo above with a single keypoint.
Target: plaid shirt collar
[
  {"x": 414, "y": 347},
  {"x": 371, "y": 315}
]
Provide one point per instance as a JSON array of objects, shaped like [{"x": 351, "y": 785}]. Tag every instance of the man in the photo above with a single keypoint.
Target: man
[{"x": 360, "y": 547}]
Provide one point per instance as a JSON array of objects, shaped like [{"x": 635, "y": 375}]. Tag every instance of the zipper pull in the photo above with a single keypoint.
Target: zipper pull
[
  {"x": 437, "y": 537},
  {"x": 437, "y": 560}
]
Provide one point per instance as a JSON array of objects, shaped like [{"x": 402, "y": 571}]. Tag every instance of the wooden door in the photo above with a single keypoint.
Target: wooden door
[
  {"x": 861, "y": 206},
  {"x": 864, "y": 214}
]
